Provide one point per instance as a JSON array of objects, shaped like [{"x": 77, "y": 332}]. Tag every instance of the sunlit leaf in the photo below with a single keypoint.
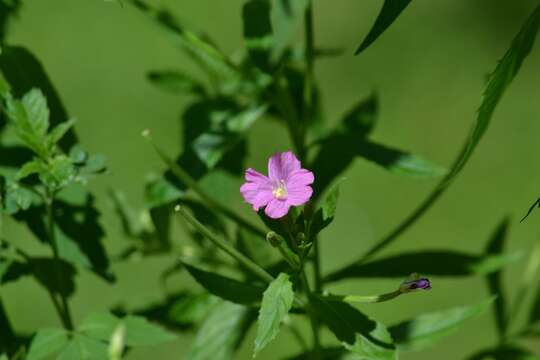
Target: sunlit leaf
[
  {"x": 324, "y": 215},
  {"x": 46, "y": 342},
  {"x": 277, "y": 301}
]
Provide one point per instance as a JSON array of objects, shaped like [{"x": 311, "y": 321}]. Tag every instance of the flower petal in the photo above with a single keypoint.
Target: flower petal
[
  {"x": 277, "y": 208},
  {"x": 299, "y": 195},
  {"x": 252, "y": 175},
  {"x": 300, "y": 177},
  {"x": 281, "y": 165},
  {"x": 258, "y": 194}
]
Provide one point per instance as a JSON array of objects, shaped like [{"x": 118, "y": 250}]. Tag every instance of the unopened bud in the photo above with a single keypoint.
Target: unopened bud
[
  {"x": 117, "y": 342},
  {"x": 415, "y": 283},
  {"x": 274, "y": 239}
]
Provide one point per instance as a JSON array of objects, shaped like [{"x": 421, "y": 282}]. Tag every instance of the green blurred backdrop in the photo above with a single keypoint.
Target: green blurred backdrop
[{"x": 429, "y": 70}]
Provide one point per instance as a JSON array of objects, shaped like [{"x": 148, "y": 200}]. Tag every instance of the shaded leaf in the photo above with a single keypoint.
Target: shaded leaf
[
  {"x": 175, "y": 82},
  {"x": 221, "y": 333},
  {"x": 285, "y": 16},
  {"x": 258, "y": 32},
  {"x": 324, "y": 215},
  {"x": 389, "y": 13},
  {"x": 226, "y": 288},
  {"x": 495, "y": 247},
  {"x": 376, "y": 346},
  {"x": 427, "y": 329},
  {"x": 46, "y": 342},
  {"x": 437, "y": 263},
  {"x": 534, "y": 205},
  {"x": 191, "y": 309},
  {"x": 277, "y": 301},
  {"x": 505, "y": 352}
]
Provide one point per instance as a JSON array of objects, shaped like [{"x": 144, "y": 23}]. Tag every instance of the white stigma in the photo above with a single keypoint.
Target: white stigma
[{"x": 280, "y": 190}]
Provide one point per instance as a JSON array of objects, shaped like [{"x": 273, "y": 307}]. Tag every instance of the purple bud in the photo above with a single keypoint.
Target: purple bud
[{"x": 417, "y": 284}]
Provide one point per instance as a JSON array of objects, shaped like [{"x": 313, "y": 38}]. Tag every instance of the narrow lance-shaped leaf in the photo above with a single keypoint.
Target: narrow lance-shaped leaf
[
  {"x": 258, "y": 31},
  {"x": 324, "y": 215},
  {"x": 501, "y": 78},
  {"x": 389, "y": 13},
  {"x": 276, "y": 303},
  {"x": 427, "y": 329},
  {"x": 436, "y": 262},
  {"x": 47, "y": 342},
  {"x": 175, "y": 82}
]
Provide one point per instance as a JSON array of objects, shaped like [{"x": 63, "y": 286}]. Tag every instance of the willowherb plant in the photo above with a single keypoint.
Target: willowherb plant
[{"x": 261, "y": 271}]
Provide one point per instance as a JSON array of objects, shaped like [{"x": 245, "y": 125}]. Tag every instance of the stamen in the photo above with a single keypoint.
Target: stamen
[{"x": 280, "y": 191}]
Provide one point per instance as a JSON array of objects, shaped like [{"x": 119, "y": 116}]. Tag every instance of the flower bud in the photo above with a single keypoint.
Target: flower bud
[
  {"x": 415, "y": 283},
  {"x": 274, "y": 239}
]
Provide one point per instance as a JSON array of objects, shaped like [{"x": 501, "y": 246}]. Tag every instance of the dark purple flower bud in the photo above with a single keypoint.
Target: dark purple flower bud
[{"x": 415, "y": 284}]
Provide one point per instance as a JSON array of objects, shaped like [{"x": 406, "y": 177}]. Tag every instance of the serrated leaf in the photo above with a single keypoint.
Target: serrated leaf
[
  {"x": 220, "y": 333},
  {"x": 47, "y": 342},
  {"x": 436, "y": 262},
  {"x": 23, "y": 71},
  {"x": 37, "y": 110},
  {"x": 277, "y": 301},
  {"x": 58, "y": 172},
  {"x": 427, "y": 329},
  {"x": 389, "y": 13},
  {"x": 175, "y": 82},
  {"x": 225, "y": 287}
]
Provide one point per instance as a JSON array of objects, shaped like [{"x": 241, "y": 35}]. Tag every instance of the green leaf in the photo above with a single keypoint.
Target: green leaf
[
  {"x": 212, "y": 146},
  {"x": 390, "y": 11},
  {"x": 81, "y": 347},
  {"x": 17, "y": 198},
  {"x": 191, "y": 309},
  {"x": 58, "y": 172},
  {"x": 220, "y": 333},
  {"x": 175, "y": 82},
  {"x": 285, "y": 16},
  {"x": 47, "y": 342},
  {"x": 427, "y": 329},
  {"x": 226, "y": 288},
  {"x": 277, "y": 301},
  {"x": 324, "y": 215},
  {"x": 37, "y": 110},
  {"x": 32, "y": 167},
  {"x": 139, "y": 331},
  {"x": 377, "y": 345},
  {"x": 24, "y": 72},
  {"x": 506, "y": 70},
  {"x": 258, "y": 32},
  {"x": 436, "y": 263},
  {"x": 59, "y": 131},
  {"x": 505, "y": 352}
]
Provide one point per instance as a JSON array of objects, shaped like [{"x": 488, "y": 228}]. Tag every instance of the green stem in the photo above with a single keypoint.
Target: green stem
[
  {"x": 63, "y": 307},
  {"x": 369, "y": 298},
  {"x": 191, "y": 183},
  {"x": 312, "y": 316},
  {"x": 226, "y": 247}
]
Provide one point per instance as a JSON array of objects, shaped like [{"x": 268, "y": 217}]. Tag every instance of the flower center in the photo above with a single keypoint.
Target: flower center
[{"x": 280, "y": 191}]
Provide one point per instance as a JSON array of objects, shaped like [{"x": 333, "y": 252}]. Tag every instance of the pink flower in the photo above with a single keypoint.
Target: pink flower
[{"x": 287, "y": 185}]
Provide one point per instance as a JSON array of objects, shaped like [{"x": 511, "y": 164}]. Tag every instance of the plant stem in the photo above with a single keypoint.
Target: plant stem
[
  {"x": 369, "y": 298},
  {"x": 63, "y": 307},
  {"x": 191, "y": 183},
  {"x": 312, "y": 316},
  {"x": 241, "y": 258}
]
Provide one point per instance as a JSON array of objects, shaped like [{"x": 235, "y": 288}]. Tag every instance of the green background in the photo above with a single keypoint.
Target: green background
[{"x": 429, "y": 70}]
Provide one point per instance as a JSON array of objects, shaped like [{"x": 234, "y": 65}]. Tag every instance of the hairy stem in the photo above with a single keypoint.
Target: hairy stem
[{"x": 238, "y": 256}]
